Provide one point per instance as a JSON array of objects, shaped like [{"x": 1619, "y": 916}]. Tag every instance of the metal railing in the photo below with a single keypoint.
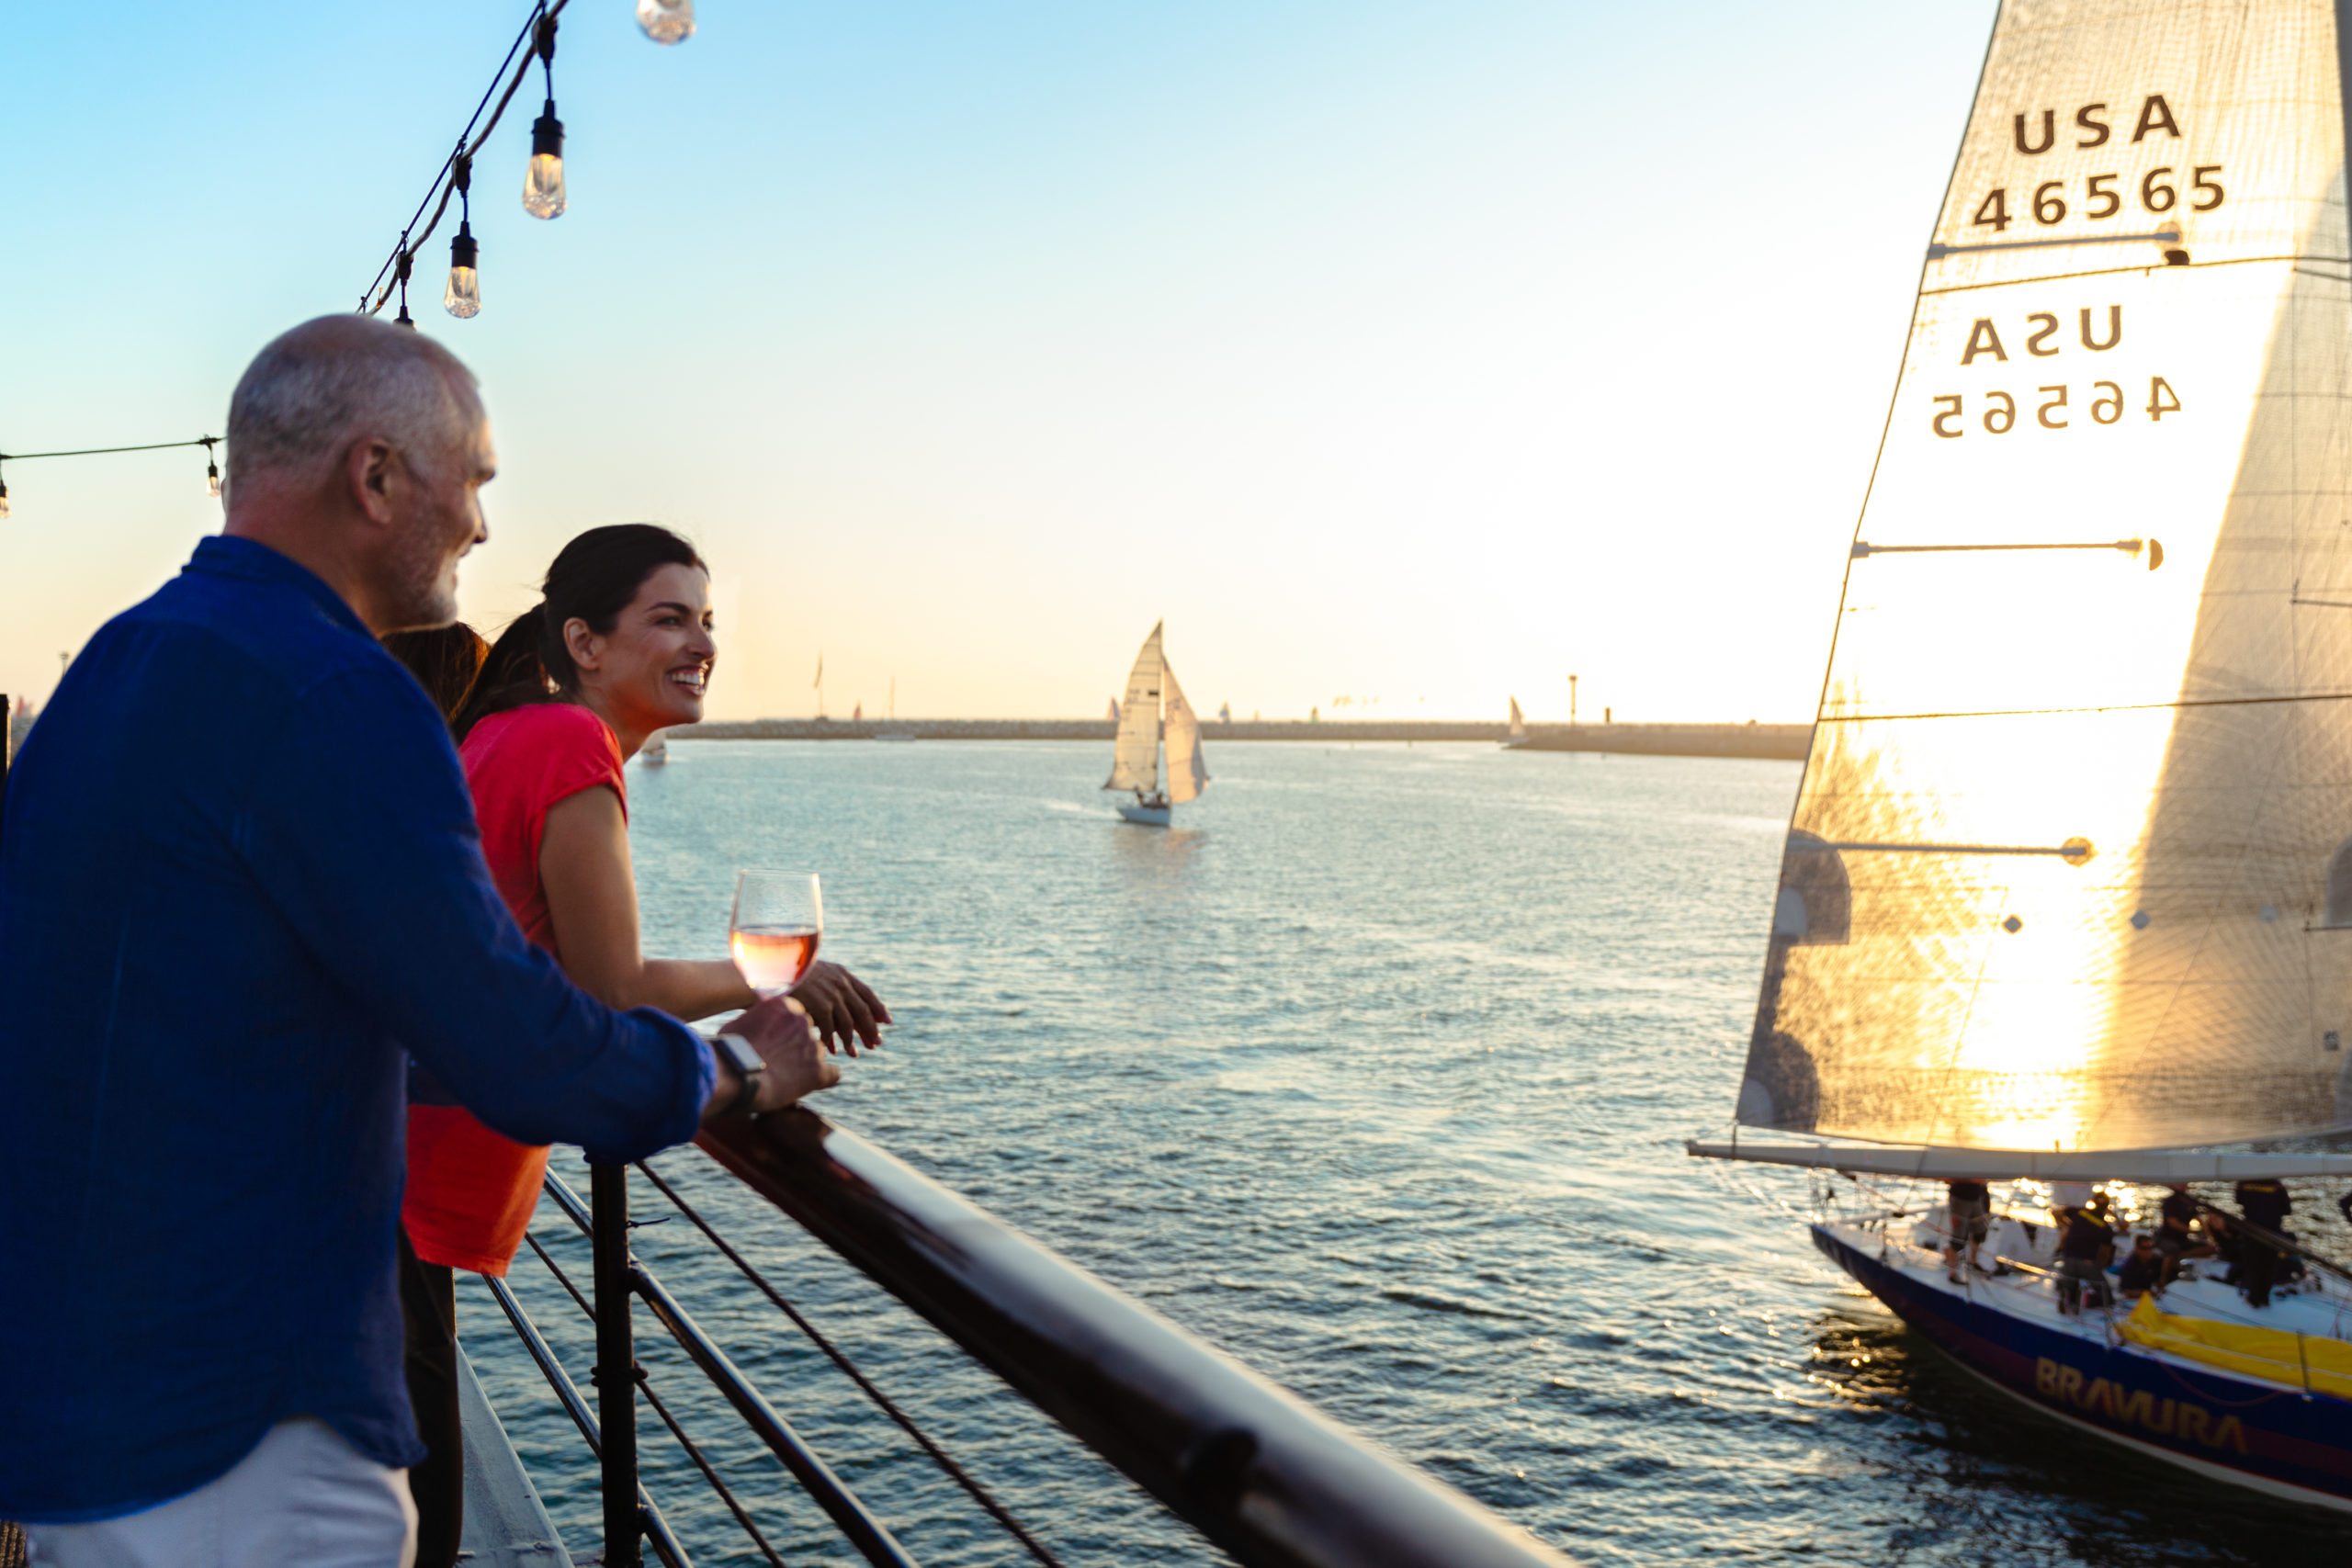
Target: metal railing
[{"x": 1255, "y": 1469}]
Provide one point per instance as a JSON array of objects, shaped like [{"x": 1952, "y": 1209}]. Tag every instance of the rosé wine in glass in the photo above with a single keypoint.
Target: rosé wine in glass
[{"x": 779, "y": 919}]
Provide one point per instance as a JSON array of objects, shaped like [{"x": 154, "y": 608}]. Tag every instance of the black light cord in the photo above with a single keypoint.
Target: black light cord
[
  {"x": 204, "y": 441},
  {"x": 373, "y": 299}
]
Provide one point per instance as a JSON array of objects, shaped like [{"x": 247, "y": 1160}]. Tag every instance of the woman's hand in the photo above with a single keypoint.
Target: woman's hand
[{"x": 843, "y": 1008}]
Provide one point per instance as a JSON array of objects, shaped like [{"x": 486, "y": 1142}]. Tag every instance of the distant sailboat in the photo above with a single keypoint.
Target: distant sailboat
[
  {"x": 1155, "y": 711},
  {"x": 1518, "y": 736},
  {"x": 656, "y": 750}
]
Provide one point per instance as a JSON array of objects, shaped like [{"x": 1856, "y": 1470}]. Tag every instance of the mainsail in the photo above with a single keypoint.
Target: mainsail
[
  {"x": 1135, "y": 763},
  {"x": 2071, "y": 865},
  {"x": 1188, "y": 773},
  {"x": 1518, "y": 724}
]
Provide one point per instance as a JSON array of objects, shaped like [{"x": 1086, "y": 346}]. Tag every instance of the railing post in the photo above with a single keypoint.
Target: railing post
[{"x": 615, "y": 1361}]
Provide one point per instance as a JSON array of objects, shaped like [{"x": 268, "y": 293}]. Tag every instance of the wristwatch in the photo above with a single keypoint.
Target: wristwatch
[{"x": 737, "y": 1053}]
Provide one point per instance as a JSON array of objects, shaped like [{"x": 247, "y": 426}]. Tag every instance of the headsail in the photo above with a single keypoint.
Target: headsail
[
  {"x": 1518, "y": 724},
  {"x": 1188, "y": 773},
  {"x": 1136, "y": 764},
  {"x": 2071, "y": 867}
]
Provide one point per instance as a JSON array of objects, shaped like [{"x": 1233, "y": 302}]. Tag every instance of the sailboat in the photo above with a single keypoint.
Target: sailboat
[
  {"x": 2066, "y": 895},
  {"x": 1517, "y": 736},
  {"x": 1154, "y": 711}
]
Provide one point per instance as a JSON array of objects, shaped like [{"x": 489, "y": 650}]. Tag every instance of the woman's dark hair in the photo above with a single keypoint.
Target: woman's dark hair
[
  {"x": 444, "y": 660},
  {"x": 592, "y": 579}
]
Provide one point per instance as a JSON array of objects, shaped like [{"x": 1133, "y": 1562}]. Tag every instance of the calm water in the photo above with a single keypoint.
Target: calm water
[{"x": 1374, "y": 1073}]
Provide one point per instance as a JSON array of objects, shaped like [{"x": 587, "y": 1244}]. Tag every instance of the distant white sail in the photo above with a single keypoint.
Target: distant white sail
[
  {"x": 1518, "y": 724},
  {"x": 1188, "y": 772},
  {"x": 1114, "y": 715},
  {"x": 2069, "y": 869},
  {"x": 1135, "y": 763}
]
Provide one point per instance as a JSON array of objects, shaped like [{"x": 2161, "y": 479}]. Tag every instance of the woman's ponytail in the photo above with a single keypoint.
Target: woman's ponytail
[{"x": 513, "y": 675}]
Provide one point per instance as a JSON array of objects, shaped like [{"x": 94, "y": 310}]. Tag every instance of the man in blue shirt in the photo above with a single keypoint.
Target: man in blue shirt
[{"x": 239, "y": 886}]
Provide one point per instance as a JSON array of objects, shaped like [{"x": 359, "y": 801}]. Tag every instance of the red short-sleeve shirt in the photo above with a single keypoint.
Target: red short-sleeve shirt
[{"x": 471, "y": 1191}]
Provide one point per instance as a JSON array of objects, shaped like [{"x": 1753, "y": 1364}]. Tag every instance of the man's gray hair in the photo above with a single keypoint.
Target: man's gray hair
[{"x": 331, "y": 381}]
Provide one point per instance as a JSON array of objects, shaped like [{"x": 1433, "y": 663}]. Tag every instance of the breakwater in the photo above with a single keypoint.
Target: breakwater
[{"x": 1787, "y": 741}]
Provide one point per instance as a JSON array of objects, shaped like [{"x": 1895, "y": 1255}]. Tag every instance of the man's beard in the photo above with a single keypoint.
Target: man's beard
[{"x": 422, "y": 594}]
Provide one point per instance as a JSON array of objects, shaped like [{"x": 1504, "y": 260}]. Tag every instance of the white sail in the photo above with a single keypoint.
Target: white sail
[
  {"x": 1135, "y": 763},
  {"x": 1518, "y": 723},
  {"x": 2071, "y": 867},
  {"x": 1188, "y": 772}
]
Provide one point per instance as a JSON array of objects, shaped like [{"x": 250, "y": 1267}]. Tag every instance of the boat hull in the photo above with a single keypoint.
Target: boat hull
[
  {"x": 1146, "y": 815},
  {"x": 2275, "y": 1440}
]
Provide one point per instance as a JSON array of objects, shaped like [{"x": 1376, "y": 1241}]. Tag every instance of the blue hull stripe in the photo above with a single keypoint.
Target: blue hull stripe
[{"x": 2265, "y": 1432}]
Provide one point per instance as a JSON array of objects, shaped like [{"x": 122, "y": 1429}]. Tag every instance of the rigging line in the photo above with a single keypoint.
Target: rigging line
[
  {"x": 2324, "y": 603},
  {"x": 954, "y": 1471},
  {"x": 437, "y": 179},
  {"x": 444, "y": 183},
  {"x": 2161, "y": 236},
  {"x": 1863, "y": 549},
  {"x": 2111, "y": 271},
  {"x": 2107, "y": 707},
  {"x": 2068, "y": 852},
  {"x": 206, "y": 441}
]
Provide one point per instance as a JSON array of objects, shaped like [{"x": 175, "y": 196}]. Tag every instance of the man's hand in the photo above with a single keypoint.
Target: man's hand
[
  {"x": 779, "y": 1030},
  {"x": 843, "y": 1007}
]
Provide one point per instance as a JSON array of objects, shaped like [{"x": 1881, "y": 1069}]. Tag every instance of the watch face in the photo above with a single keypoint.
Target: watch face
[{"x": 739, "y": 1055}]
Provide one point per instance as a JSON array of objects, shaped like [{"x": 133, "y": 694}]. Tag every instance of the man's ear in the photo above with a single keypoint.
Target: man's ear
[{"x": 368, "y": 472}]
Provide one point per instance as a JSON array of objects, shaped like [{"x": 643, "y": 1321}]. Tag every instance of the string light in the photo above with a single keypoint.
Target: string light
[
  {"x": 462, "y": 298},
  {"x": 445, "y": 181},
  {"x": 666, "y": 21},
  {"x": 408, "y": 258},
  {"x": 212, "y": 469},
  {"x": 543, "y": 180}
]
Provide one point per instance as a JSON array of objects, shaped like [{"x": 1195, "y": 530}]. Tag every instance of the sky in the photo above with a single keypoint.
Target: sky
[{"x": 1418, "y": 356}]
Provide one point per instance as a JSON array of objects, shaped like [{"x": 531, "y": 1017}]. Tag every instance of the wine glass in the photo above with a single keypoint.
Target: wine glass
[{"x": 780, "y": 919}]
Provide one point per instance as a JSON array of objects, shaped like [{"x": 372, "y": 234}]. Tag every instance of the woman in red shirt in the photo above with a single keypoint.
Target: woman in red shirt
[{"x": 619, "y": 646}]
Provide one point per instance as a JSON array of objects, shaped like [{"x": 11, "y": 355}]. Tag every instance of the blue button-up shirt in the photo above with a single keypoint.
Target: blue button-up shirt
[{"x": 239, "y": 882}]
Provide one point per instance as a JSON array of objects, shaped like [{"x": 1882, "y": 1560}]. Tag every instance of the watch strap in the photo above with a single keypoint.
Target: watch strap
[{"x": 748, "y": 1066}]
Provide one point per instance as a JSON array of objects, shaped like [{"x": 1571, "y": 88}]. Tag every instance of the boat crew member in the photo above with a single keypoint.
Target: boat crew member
[
  {"x": 241, "y": 885},
  {"x": 2176, "y": 1236},
  {"x": 2143, "y": 1268},
  {"x": 2264, "y": 1203},
  {"x": 2084, "y": 1251},
  {"x": 1969, "y": 1207}
]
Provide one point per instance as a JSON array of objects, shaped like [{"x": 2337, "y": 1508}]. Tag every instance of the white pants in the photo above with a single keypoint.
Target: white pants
[{"x": 303, "y": 1498}]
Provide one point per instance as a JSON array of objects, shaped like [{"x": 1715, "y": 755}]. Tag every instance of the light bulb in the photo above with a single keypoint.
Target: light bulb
[
  {"x": 543, "y": 184},
  {"x": 666, "y": 21},
  {"x": 211, "y": 479},
  {"x": 463, "y": 297}
]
